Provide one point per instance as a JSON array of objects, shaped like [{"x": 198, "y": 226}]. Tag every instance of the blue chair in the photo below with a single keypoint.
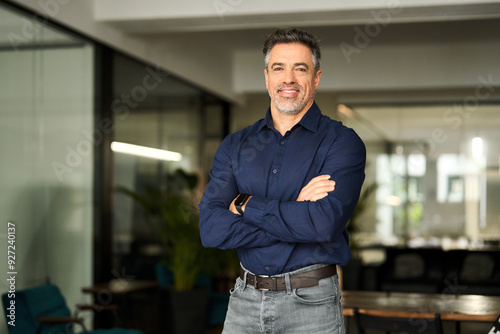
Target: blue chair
[{"x": 43, "y": 310}]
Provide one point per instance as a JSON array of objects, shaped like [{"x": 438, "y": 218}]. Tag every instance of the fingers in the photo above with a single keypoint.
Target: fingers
[
  {"x": 320, "y": 190},
  {"x": 315, "y": 182},
  {"x": 317, "y": 188},
  {"x": 232, "y": 207}
]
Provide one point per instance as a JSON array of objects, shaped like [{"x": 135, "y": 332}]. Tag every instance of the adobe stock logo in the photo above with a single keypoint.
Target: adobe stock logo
[
  {"x": 372, "y": 29},
  {"x": 84, "y": 148},
  {"x": 30, "y": 29},
  {"x": 121, "y": 108},
  {"x": 222, "y": 7},
  {"x": 130, "y": 100}
]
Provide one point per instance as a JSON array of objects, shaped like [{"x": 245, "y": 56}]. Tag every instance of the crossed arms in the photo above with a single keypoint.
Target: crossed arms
[
  {"x": 316, "y": 189},
  {"x": 320, "y": 211}
]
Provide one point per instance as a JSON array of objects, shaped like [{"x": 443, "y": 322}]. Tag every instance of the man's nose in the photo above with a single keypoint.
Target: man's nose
[{"x": 289, "y": 77}]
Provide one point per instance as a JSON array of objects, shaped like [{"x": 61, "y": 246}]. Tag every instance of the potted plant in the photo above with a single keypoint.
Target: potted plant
[
  {"x": 353, "y": 225},
  {"x": 173, "y": 213},
  {"x": 351, "y": 273}
]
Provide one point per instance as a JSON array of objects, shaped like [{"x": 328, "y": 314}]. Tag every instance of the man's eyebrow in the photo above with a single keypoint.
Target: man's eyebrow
[
  {"x": 295, "y": 65},
  {"x": 301, "y": 64}
]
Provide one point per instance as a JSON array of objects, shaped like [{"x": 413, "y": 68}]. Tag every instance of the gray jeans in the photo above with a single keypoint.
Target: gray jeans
[{"x": 316, "y": 309}]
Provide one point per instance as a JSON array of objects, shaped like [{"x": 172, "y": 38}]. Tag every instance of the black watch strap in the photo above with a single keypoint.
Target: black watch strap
[{"x": 240, "y": 201}]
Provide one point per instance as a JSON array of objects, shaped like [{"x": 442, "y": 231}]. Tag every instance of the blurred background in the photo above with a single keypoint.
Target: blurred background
[{"x": 418, "y": 80}]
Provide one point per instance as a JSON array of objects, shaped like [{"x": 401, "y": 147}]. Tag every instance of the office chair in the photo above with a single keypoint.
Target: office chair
[
  {"x": 43, "y": 310},
  {"x": 397, "y": 322}
]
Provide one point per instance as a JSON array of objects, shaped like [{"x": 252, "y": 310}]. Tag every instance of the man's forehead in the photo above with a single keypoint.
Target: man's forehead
[
  {"x": 289, "y": 49},
  {"x": 298, "y": 47}
]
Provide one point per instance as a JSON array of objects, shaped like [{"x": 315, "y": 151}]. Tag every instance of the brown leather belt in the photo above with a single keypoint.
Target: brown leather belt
[{"x": 302, "y": 280}]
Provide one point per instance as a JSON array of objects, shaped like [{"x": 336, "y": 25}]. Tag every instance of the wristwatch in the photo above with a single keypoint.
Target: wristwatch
[{"x": 240, "y": 201}]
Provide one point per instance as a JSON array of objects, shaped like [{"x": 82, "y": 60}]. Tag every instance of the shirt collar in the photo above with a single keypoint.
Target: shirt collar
[{"x": 309, "y": 121}]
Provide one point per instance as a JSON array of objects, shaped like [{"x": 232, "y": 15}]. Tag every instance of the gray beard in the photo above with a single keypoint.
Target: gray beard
[{"x": 290, "y": 108}]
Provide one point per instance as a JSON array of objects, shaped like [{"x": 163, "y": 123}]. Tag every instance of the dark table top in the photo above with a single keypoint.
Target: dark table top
[
  {"x": 121, "y": 286},
  {"x": 450, "y": 306}
]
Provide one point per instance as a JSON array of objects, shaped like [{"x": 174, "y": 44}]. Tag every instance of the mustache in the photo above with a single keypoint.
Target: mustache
[{"x": 288, "y": 86}]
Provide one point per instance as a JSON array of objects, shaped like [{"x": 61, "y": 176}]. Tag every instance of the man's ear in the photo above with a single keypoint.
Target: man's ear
[
  {"x": 267, "y": 78},
  {"x": 317, "y": 79}
]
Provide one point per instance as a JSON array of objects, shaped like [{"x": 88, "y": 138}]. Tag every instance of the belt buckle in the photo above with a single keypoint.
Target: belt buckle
[{"x": 263, "y": 276}]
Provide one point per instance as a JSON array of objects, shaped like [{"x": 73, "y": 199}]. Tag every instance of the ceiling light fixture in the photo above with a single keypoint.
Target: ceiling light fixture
[
  {"x": 477, "y": 148},
  {"x": 144, "y": 151}
]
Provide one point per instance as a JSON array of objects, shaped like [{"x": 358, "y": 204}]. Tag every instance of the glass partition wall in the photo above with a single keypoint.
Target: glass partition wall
[
  {"x": 155, "y": 111},
  {"x": 65, "y": 116},
  {"x": 436, "y": 168},
  {"x": 46, "y": 116}
]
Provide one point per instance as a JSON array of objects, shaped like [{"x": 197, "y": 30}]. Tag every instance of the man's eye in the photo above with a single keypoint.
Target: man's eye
[
  {"x": 278, "y": 69},
  {"x": 301, "y": 69}
]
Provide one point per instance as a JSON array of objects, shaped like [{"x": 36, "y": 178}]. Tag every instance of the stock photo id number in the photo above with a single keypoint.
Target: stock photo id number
[{"x": 11, "y": 273}]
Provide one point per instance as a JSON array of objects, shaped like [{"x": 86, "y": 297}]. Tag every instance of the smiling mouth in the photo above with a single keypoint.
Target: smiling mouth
[{"x": 288, "y": 91}]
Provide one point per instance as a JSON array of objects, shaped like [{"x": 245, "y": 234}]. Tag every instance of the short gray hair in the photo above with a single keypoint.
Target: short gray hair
[{"x": 292, "y": 35}]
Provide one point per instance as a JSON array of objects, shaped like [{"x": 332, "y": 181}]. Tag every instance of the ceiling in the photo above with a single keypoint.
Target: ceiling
[{"x": 159, "y": 16}]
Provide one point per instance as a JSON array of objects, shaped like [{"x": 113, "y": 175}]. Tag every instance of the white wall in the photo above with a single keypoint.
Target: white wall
[{"x": 46, "y": 103}]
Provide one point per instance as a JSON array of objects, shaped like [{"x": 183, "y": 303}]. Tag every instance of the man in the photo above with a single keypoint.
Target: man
[{"x": 281, "y": 192}]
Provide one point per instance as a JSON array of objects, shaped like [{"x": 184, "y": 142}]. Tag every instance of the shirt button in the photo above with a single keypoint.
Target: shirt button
[
  {"x": 282, "y": 142},
  {"x": 267, "y": 268},
  {"x": 275, "y": 171}
]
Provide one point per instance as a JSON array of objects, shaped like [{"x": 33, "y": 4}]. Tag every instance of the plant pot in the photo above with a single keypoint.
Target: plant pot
[{"x": 183, "y": 312}]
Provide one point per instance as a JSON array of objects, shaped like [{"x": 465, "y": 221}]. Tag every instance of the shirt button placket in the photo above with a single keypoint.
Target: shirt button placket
[
  {"x": 273, "y": 185},
  {"x": 280, "y": 154}
]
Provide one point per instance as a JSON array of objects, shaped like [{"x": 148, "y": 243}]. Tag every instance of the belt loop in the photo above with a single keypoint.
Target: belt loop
[
  {"x": 244, "y": 280},
  {"x": 288, "y": 285}
]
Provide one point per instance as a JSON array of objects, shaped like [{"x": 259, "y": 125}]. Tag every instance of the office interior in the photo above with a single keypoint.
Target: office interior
[{"x": 419, "y": 82}]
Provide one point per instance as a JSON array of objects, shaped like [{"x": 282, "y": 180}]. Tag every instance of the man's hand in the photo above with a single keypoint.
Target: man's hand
[{"x": 316, "y": 189}]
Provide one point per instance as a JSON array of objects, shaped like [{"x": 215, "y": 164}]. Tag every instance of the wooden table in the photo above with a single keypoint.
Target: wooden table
[
  {"x": 118, "y": 291},
  {"x": 451, "y": 307},
  {"x": 120, "y": 286}
]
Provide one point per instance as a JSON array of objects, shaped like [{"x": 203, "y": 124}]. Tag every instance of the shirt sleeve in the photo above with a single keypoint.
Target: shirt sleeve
[
  {"x": 325, "y": 219},
  {"x": 219, "y": 227}
]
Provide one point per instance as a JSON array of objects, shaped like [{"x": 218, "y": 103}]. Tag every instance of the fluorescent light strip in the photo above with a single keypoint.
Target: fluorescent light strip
[
  {"x": 144, "y": 151},
  {"x": 477, "y": 148}
]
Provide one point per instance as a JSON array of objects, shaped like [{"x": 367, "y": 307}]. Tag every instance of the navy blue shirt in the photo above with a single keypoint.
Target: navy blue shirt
[{"x": 277, "y": 234}]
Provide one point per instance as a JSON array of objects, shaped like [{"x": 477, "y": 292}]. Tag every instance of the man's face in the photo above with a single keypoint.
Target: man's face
[{"x": 290, "y": 78}]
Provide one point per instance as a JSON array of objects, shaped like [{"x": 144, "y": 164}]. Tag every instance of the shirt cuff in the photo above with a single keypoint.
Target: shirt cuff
[{"x": 254, "y": 210}]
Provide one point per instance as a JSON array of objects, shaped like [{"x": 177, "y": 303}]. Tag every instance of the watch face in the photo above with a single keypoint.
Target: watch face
[{"x": 241, "y": 199}]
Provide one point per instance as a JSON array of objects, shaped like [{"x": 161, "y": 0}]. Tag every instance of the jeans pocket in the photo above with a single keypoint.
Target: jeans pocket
[
  {"x": 237, "y": 285},
  {"x": 323, "y": 293}
]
